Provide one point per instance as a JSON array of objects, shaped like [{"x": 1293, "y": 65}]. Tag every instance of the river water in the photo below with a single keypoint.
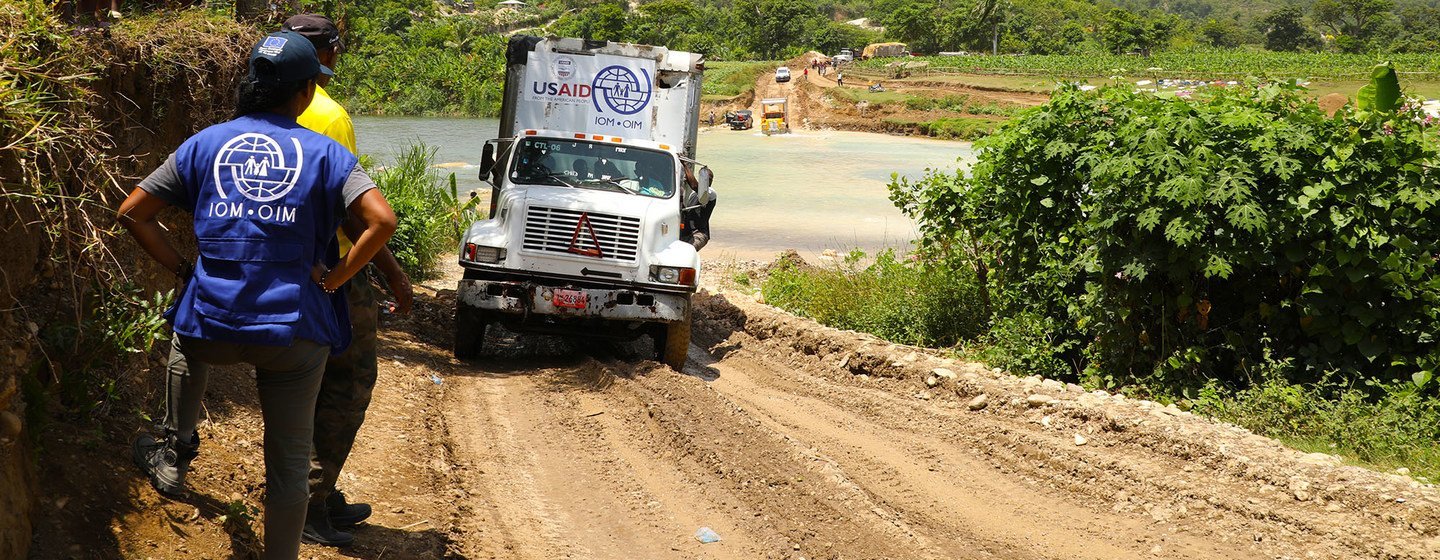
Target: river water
[{"x": 809, "y": 191}]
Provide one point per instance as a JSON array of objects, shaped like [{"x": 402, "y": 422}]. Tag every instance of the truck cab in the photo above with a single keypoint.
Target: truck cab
[{"x": 586, "y": 230}]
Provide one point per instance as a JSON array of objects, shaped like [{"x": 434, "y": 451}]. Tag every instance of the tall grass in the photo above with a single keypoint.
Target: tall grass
[
  {"x": 1385, "y": 425},
  {"x": 910, "y": 302},
  {"x": 431, "y": 217}
]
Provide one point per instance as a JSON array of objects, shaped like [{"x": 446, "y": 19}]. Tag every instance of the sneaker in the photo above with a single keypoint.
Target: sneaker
[
  {"x": 343, "y": 514},
  {"x": 165, "y": 461},
  {"x": 319, "y": 531}
]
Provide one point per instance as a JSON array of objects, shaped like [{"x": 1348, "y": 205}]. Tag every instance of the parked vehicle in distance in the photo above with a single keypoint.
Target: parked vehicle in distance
[
  {"x": 740, "y": 120},
  {"x": 782, "y": 74},
  {"x": 584, "y": 234},
  {"x": 845, "y": 56}
]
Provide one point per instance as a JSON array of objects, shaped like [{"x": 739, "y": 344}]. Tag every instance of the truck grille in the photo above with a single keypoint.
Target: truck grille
[{"x": 554, "y": 230}]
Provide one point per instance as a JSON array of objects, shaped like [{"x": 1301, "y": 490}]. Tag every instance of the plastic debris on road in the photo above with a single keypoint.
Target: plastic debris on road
[{"x": 707, "y": 536}]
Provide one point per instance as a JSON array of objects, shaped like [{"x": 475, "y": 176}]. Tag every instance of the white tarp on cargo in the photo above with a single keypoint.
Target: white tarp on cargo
[{"x": 596, "y": 94}]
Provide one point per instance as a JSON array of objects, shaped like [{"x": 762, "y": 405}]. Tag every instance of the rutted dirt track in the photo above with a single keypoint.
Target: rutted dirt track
[
  {"x": 794, "y": 440},
  {"x": 788, "y": 439}
]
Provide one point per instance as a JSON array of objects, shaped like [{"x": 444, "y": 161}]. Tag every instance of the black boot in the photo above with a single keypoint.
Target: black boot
[
  {"x": 165, "y": 460},
  {"x": 343, "y": 514},
  {"x": 318, "y": 529}
]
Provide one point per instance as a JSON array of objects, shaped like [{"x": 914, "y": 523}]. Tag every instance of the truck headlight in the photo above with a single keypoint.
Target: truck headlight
[
  {"x": 482, "y": 254},
  {"x": 672, "y": 275}
]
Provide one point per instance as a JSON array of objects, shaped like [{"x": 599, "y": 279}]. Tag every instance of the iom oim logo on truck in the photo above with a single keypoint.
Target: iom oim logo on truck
[{"x": 621, "y": 90}]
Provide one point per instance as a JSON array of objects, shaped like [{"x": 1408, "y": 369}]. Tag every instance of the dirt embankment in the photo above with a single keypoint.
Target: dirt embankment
[
  {"x": 819, "y": 102},
  {"x": 154, "y": 83},
  {"x": 786, "y": 438}
]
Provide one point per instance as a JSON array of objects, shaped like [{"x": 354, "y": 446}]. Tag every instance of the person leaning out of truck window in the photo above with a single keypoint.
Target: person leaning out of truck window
[
  {"x": 267, "y": 196},
  {"x": 698, "y": 206}
]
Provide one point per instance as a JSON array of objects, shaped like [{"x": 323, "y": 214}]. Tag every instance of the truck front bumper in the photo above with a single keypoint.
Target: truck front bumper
[{"x": 530, "y": 299}]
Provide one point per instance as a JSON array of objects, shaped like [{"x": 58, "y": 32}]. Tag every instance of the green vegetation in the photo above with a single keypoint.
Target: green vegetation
[
  {"x": 1388, "y": 425},
  {"x": 949, "y": 128},
  {"x": 431, "y": 218},
  {"x": 729, "y": 79},
  {"x": 423, "y": 57},
  {"x": 1194, "y": 64},
  {"x": 405, "y": 57},
  {"x": 916, "y": 303},
  {"x": 1240, "y": 253}
]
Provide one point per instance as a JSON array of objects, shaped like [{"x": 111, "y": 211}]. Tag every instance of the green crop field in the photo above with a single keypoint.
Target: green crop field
[{"x": 1198, "y": 64}]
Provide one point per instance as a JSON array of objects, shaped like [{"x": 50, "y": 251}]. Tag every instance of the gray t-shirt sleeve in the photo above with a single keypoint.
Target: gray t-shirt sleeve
[
  {"x": 165, "y": 183},
  {"x": 356, "y": 184}
]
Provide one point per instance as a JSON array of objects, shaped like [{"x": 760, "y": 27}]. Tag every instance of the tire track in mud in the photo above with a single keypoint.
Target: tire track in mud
[{"x": 568, "y": 449}]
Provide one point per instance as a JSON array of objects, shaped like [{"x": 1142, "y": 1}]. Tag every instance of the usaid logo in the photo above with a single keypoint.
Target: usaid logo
[
  {"x": 621, "y": 89},
  {"x": 564, "y": 67},
  {"x": 257, "y": 167}
]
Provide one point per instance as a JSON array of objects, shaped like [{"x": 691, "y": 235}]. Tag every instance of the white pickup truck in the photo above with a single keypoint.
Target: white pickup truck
[{"x": 585, "y": 233}]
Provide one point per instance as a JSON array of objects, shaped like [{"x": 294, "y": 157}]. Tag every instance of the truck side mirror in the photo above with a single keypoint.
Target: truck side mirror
[{"x": 487, "y": 160}]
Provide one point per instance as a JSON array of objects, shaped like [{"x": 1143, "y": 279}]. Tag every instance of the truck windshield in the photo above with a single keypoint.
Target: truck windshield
[{"x": 594, "y": 165}]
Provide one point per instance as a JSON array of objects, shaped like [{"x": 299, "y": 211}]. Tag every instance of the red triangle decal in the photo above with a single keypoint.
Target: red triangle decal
[{"x": 583, "y": 225}]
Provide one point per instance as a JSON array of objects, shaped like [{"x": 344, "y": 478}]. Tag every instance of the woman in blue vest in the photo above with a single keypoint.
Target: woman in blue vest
[{"x": 267, "y": 196}]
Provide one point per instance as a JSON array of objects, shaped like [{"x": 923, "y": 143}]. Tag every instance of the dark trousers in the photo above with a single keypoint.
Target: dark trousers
[
  {"x": 287, "y": 379},
  {"x": 345, "y": 390}
]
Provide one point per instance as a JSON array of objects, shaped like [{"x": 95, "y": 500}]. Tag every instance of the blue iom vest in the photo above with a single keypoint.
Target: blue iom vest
[{"x": 267, "y": 196}]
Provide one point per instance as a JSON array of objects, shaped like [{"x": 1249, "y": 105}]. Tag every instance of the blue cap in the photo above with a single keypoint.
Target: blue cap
[{"x": 291, "y": 58}]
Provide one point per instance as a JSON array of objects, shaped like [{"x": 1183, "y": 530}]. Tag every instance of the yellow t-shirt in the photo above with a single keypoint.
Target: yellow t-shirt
[{"x": 327, "y": 117}]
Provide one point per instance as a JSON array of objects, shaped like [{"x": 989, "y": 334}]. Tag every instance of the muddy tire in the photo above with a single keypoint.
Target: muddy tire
[
  {"x": 470, "y": 325},
  {"x": 672, "y": 343}
]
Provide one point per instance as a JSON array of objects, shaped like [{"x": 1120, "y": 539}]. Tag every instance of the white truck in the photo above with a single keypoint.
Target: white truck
[{"x": 586, "y": 233}]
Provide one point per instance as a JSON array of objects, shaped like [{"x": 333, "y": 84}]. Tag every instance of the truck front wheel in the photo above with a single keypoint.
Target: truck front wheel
[
  {"x": 672, "y": 343},
  {"x": 470, "y": 327}
]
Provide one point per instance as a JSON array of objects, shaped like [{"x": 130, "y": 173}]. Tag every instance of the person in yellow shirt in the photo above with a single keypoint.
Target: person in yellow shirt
[{"x": 350, "y": 376}]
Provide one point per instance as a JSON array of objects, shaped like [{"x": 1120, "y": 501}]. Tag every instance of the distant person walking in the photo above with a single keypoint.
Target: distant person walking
[
  {"x": 840, "y": 79},
  {"x": 263, "y": 291},
  {"x": 805, "y": 74},
  {"x": 349, "y": 380}
]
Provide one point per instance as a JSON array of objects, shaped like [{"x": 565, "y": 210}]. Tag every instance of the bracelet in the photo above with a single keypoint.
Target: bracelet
[{"x": 323, "y": 277}]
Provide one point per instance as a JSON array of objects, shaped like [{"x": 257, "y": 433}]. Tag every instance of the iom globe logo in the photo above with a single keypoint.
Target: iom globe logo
[
  {"x": 256, "y": 166},
  {"x": 621, "y": 89}
]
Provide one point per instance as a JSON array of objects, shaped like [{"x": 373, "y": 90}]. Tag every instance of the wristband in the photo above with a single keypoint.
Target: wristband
[{"x": 323, "y": 276}]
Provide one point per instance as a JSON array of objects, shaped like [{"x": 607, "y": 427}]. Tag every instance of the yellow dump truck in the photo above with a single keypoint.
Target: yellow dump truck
[
  {"x": 874, "y": 50},
  {"x": 772, "y": 116}
]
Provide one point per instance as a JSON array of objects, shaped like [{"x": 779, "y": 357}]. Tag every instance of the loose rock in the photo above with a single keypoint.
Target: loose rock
[
  {"x": 980, "y": 401},
  {"x": 1079, "y": 439},
  {"x": 1038, "y": 400}
]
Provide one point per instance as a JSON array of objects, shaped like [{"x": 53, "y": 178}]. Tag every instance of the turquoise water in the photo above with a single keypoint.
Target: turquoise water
[{"x": 809, "y": 191}]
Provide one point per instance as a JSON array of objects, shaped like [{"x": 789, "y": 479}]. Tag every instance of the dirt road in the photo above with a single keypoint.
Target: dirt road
[
  {"x": 788, "y": 439},
  {"x": 793, "y": 440}
]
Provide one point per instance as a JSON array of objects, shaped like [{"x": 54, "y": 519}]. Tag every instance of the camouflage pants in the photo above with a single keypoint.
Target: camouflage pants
[{"x": 345, "y": 390}]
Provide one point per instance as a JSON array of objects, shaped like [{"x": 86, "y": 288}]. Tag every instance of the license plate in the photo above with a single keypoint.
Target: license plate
[{"x": 574, "y": 299}]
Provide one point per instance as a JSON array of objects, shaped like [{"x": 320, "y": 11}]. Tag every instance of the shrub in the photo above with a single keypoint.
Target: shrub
[
  {"x": 431, "y": 219},
  {"x": 1167, "y": 237}
]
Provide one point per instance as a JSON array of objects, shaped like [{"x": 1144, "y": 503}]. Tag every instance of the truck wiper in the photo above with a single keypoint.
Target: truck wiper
[{"x": 561, "y": 178}]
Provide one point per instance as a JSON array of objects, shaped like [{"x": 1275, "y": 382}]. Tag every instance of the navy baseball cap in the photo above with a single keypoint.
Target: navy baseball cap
[{"x": 285, "y": 56}]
